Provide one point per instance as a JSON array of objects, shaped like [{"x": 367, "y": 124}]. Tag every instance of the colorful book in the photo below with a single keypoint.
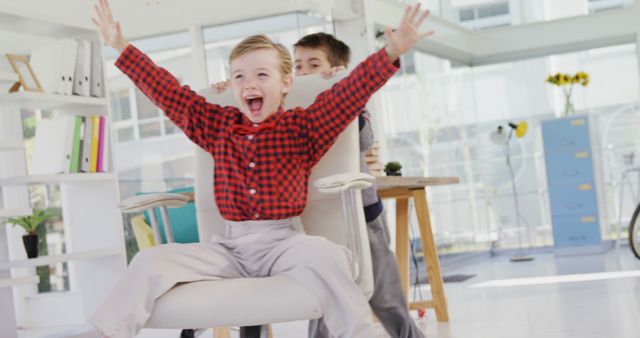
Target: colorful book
[
  {"x": 85, "y": 166},
  {"x": 95, "y": 136},
  {"x": 76, "y": 146},
  {"x": 100, "y": 167}
]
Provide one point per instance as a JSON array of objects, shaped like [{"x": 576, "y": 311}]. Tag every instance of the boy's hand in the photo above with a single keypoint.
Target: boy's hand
[
  {"x": 221, "y": 86},
  {"x": 327, "y": 74},
  {"x": 407, "y": 35},
  {"x": 108, "y": 28}
]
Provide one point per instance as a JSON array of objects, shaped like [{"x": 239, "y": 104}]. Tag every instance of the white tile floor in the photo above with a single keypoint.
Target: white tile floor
[{"x": 605, "y": 305}]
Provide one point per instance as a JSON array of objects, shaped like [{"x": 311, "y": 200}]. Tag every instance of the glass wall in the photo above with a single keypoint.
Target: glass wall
[{"x": 448, "y": 112}]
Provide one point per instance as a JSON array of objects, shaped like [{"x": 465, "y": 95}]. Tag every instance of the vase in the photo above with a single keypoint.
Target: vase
[
  {"x": 31, "y": 245},
  {"x": 568, "y": 106}
]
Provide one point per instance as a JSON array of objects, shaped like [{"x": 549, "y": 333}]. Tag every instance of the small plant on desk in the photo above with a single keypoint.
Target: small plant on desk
[
  {"x": 393, "y": 168},
  {"x": 30, "y": 225}
]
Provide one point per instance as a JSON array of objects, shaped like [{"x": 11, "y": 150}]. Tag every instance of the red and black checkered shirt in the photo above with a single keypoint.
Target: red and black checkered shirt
[{"x": 261, "y": 173}]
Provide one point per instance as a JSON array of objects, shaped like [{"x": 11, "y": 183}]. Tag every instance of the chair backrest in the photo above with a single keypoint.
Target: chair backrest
[{"x": 324, "y": 214}]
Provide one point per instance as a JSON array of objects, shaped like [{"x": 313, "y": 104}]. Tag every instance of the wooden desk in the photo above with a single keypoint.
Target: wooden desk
[{"x": 401, "y": 189}]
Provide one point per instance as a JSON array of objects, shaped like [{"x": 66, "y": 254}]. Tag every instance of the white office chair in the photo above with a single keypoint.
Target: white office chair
[{"x": 334, "y": 210}]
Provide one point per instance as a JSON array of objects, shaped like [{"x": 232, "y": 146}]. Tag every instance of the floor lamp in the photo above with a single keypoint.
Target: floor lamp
[{"x": 499, "y": 137}]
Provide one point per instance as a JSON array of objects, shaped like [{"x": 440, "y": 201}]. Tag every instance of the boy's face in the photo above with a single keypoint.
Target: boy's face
[
  {"x": 257, "y": 84},
  {"x": 310, "y": 61}
]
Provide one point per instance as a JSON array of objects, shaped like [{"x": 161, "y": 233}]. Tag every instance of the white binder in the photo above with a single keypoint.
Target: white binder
[
  {"x": 68, "y": 65},
  {"x": 81, "y": 81},
  {"x": 46, "y": 64},
  {"x": 96, "y": 70},
  {"x": 52, "y": 143}
]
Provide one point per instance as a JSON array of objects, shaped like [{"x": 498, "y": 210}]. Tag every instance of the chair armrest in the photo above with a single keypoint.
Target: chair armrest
[
  {"x": 148, "y": 201},
  {"x": 344, "y": 181}
]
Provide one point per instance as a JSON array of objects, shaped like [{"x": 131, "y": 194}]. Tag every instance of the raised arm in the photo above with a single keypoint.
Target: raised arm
[
  {"x": 336, "y": 107},
  {"x": 199, "y": 120}
]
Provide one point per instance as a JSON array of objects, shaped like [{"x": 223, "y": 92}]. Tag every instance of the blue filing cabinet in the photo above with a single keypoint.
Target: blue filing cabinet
[{"x": 570, "y": 176}]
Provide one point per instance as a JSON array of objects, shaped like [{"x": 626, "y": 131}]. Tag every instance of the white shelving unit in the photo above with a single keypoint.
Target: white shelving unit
[
  {"x": 7, "y": 213},
  {"x": 93, "y": 231},
  {"x": 71, "y": 104},
  {"x": 53, "y": 259},
  {"x": 9, "y": 282}
]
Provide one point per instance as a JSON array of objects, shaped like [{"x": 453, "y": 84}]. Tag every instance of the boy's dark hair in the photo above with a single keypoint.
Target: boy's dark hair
[{"x": 338, "y": 53}]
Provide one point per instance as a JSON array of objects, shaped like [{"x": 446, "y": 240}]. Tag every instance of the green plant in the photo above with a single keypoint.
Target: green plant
[
  {"x": 392, "y": 167},
  {"x": 30, "y": 223}
]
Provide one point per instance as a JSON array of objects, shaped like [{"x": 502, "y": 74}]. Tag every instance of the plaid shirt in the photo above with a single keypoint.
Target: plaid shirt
[{"x": 261, "y": 170}]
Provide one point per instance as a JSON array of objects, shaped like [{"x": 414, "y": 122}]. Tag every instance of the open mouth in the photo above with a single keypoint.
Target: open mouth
[{"x": 254, "y": 103}]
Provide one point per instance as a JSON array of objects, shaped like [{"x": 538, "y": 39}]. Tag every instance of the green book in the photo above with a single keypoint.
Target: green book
[{"x": 76, "y": 156}]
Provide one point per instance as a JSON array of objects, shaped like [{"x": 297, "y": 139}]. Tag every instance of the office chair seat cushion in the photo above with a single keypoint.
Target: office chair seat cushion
[{"x": 234, "y": 302}]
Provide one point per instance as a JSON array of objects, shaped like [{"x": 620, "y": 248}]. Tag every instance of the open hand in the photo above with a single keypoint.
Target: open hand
[
  {"x": 407, "y": 35},
  {"x": 108, "y": 28},
  {"x": 327, "y": 74},
  {"x": 221, "y": 86}
]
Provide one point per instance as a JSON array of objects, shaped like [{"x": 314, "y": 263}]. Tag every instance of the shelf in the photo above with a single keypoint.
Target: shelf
[
  {"x": 10, "y": 145},
  {"x": 4, "y": 283},
  {"x": 48, "y": 260},
  {"x": 69, "y": 103},
  {"x": 56, "y": 179},
  {"x": 8, "y": 213},
  {"x": 8, "y": 77}
]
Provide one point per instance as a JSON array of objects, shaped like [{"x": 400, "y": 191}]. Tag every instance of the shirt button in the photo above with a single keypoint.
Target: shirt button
[
  {"x": 250, "y": 137},
  {"x": 252, "y": 191},
  {"x": 255, "y": 125},
  {"x": 256, "y": 216},
  {"x": 252, "y": 165}
]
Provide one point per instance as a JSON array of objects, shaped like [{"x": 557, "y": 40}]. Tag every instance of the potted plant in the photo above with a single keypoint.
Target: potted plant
[
  {"x": 393, "y": 168},
  {"x": 30, "y": 225}
]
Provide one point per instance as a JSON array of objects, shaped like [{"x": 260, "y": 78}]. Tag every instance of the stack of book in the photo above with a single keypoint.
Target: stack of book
[
  {"x": 371, "y": 157},
  {"x": 70, "y": 144}
]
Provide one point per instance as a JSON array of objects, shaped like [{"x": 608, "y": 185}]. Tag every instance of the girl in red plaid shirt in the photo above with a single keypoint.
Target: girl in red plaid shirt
[{"x": 263, "y": 156}]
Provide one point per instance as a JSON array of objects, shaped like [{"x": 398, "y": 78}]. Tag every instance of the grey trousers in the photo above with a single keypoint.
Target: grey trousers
[
  {"x": 388, "y": 300},
  {"x": 249, "y": 249}
]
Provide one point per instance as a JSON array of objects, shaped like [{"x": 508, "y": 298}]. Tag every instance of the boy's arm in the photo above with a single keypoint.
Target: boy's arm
[
  {"x": 366, "y": 132},
  {"x": 185, "y": 108}
]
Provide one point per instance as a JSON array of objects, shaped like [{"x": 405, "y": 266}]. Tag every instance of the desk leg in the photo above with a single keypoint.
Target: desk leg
[
  {"x": 402, "y": 241},
  {"x": 430, "y": 255}
]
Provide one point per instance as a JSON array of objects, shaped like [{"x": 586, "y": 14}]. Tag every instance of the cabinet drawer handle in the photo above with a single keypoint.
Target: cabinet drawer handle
[
  {"x": 584, "y": 187},
  {"x": 582, "y": 154},
  {"x": 588, "y": 219},
  {"x": 578, "y": 122}
]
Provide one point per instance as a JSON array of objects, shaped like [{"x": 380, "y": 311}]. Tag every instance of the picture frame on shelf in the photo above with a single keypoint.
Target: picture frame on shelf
[{"x": 27, "y": 79}]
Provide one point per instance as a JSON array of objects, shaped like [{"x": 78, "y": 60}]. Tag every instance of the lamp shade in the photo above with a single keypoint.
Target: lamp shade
[{"x": 498, "y": 136}]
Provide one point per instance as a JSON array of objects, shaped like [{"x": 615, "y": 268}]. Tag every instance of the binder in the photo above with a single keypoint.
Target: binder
[
  {"x": 100, "y": 165},
  {"x": 96, "y": 75},
  {"x": 94, "y": 142},
  {"x": 86, "y": 145},
  {"x": 46, "y": 64},
  {"x": 51, "y": 145},
  {"x": 67, "y": 66},
  {"x": 81, "y": 81},
  {"x": 76, "y": 146}
]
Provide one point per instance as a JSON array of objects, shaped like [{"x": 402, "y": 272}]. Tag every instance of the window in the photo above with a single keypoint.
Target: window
[
  {"x": 485, "y": 15},
  {"x": 438, "y": 120}
]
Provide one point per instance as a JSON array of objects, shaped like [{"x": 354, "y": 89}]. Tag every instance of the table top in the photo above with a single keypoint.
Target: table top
[{"x": 402, "y": 182}]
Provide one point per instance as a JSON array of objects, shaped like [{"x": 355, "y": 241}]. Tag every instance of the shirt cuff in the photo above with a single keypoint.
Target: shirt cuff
[
  {"x": 384, "y": 64},
  {"x": 127, "y": 57}
]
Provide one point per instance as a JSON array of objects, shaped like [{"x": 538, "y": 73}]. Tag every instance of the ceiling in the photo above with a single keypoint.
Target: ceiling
[{"x": 140, "y": 18}]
